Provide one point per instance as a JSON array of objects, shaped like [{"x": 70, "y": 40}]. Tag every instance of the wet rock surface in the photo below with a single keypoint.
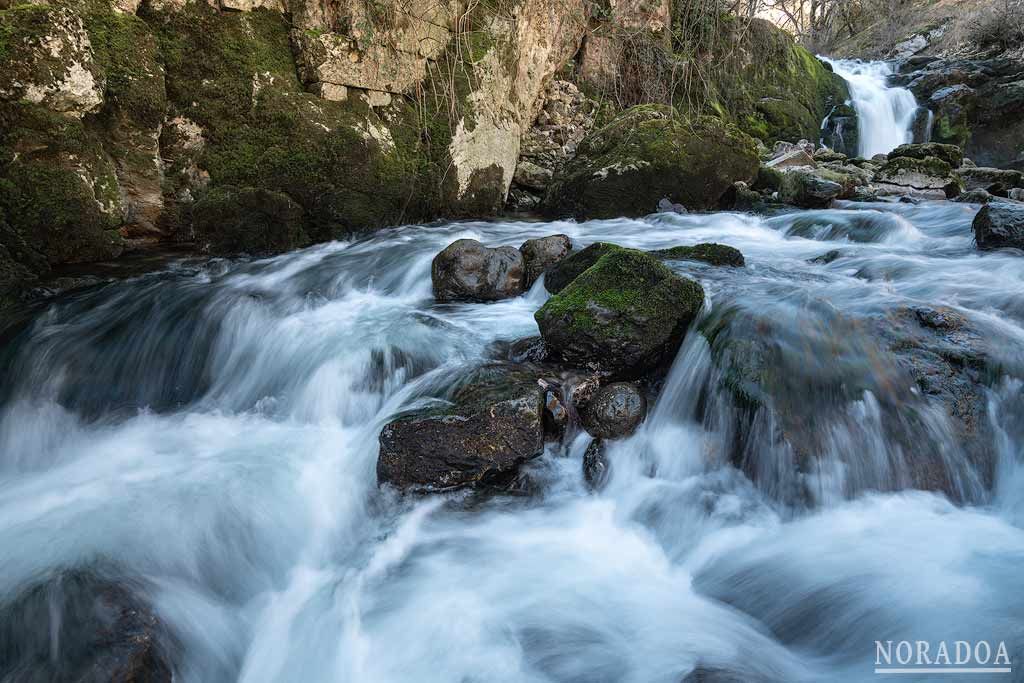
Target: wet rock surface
[
  {"x": 494, "y": 423},
  {"x": 1000, "y": 224},
  {"x": 540, "y": 255},
  {"x": 77, "y": 626},
  {"x": 616, "y": 411},
  {"x": 468, "y": 271}
]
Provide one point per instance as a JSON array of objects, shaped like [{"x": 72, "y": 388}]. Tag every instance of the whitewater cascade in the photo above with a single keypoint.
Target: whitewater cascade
[
  {"x": 886, "y": 114},
  {"x": 207, "y": 435}
]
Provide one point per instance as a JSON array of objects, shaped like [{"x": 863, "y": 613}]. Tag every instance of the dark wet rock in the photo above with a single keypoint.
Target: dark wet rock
[
  {"x": 596, "y": 466},
  {"x": 740, "y": 197},
  {"x": 567, "y": 270},
  {"x": 493, "y": 424},
  {"x": 247, "y": 220},
  {"x": 468, "y": 271},
  {"x": 808, "y": 190},
  {"x": 541, "y": 254},
  {"x": 556, "y": 414},
  {"x": 827, "y": 257},
  {"x": 842, "y": 130},
  {"x": 709, "y": 252},
  {"x": 648, "y": 153},
  {"x": 78, "y": 626},
  {"x": 951, "y": 154},
  {"x": 801, "y": 386},
  {"x": 1000, "y": 224},
  {"x": 626, "y": 313},
  {"x": 528, "y": 350},
  {"x": 615, "y": 411}
]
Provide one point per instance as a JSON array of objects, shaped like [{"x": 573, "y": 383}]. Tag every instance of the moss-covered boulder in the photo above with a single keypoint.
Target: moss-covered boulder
[
  {"x": 951, "y": 154},
  {"x": 492, "y": 423},
  {"x": 564, "y": 272},
  {"x": 929, "y": 175},
  {"x": 809, "y": 189},
  {"x": 247, "y": 220},
  {"x": 627, "y": 313},
  {"x": 709, "y": 252},
  {"x": 646, "y": 154}
]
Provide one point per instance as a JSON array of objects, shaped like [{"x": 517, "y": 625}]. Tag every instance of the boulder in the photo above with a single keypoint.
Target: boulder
[
  {"x": 951, "y": 154},
  {"x": 541, "y": 254},
  {"x": 796, "y": 158},
  {"x": 978, "y": 178},
  {"x": 532, "y": 176},
  {"x": 493, "y": 423},
  {"x": 247, "y": 220},
  {"x": 1000, "y": 224},
  {"x": 808, "y": 190},
  {"x": 615, "y": 411},
  {"x": 627, "y": 313},
  {"x": 79, "y": 626},
  {"x": 466, "y": 270},
  {"x": 974, "y": 197},
  {"x": 648, "y": 153},
  {"x": 714, "y": 254},
  {"x": 595, "y": 465},
  {"x": 567, "y": 270},
  {"x": 930, "y": 176}
]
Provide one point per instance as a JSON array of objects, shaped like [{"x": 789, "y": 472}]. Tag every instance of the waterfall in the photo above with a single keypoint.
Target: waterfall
[{"x": 886, "y": 114}]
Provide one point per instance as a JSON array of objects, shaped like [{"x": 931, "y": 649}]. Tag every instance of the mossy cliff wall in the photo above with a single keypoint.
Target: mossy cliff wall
[{"x": 117, "y": 118}]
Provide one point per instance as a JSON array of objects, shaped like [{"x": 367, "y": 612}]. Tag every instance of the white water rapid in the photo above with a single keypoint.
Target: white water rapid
[
  {"x": 886, "y": 114},
  {"x": 208, "y": 433}
]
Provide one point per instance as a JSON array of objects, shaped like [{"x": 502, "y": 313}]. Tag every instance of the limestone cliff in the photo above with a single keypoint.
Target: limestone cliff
[{"x": 117, "y": 118}]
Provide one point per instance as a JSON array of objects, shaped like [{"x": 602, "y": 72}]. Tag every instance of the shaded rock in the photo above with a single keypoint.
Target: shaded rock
[
  {"x": 626, "y": 313},
  {"x": 646, "y": 154},
  {"x": 951, "y": 154},
  {"x": 532, "y": 176},
  {"x": 974, "y": 197},
  {"x": 740, "y": 197},
  {"x": 568, "y": 269},
  {"x": 615, "y": 411},
  {"x": 78, "y": 626},
  {"x": 1000, "y": 224},
  {"x": 556, "y": 415},
  {"x": 666, "y": 205},
  {"x": 595, "y": 465},
  {"x": 709, "y": 252},
  {"x": 975, "y": 178},
  {"x": 528, "y": 350},
  {"x": 247, "y": 220},
  {"x": 466, "y": 270},
  {"x": 541, "y": 254},
  {"x": 841, "y": 131},
  {"x": 808, "y": 190},
  {"x": 494, "y": 423}
]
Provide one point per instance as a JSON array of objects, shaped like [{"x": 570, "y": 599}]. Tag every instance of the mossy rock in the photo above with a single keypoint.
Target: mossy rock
[
  {"x": 248, "y": 220},
  {"x": 571, "y": 267},
  {"x": 627, "y": 314},
  {"x": 951, "y": 154},
  {"x": 646, "y": 154},
  {"x": 711, "y": 253}
]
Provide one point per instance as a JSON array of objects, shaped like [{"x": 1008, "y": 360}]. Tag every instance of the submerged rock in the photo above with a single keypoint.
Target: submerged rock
[
  {"x": 646, "y": 154},
  {"x": 77, "y": 626},
  {"x": 626, "y": 313},
  {"x": 595, "y": 465},
  {"x": 1000, "y": 224},
  {"x": 615, "y": 411},
  {"x": 541, "y": 254},
  {"x": 494, "y": 423},
  {"x": 709, "y": 252},
  {"x": 466, "y": 270}
]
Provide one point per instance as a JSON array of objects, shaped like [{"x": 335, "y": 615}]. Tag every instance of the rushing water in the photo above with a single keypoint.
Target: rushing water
[
  {"x": 211, "y": 432},
  {"x": 886, "y": 114}
]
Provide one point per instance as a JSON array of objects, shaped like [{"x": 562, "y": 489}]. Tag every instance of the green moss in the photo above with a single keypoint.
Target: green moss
[
  {"x": 568, "y": 269},
  {"x": 714, "y": 254},
  {"x": 649, "y": 153}
]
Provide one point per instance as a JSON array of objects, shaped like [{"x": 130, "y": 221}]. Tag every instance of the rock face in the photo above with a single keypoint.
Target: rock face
[
  {"x": 1000, "y": 224},
  {"x": 626, "y": 313},
  {"x": 929, "y": 176},
  {"x": 77, "y": 626},
  {"x": 248, "y": 220},
  {"x": 494, "y": 424},
  {"x": 615, "y": 411},
  {"x": 646, "y": 154},
  {"x": 468, "y": 271},
  {"x": 541, "y": 254},
  {"x": 992, "y": 180},
  {"x": 841, "y": 131},
  {"x": 977, "y": 105}
]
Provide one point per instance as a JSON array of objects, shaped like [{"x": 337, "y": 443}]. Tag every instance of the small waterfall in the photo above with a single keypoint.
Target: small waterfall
[{"x": 886, "y": 114}]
